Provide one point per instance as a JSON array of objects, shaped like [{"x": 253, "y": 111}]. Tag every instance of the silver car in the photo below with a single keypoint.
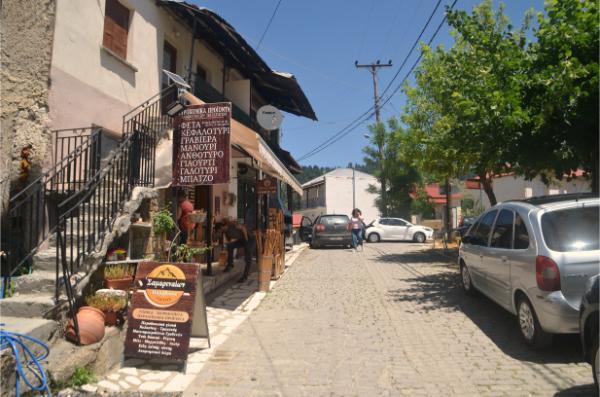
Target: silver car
[{"x": 533, "y": 258}]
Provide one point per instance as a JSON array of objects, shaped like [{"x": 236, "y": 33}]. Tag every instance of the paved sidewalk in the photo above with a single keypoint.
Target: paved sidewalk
[{"x": 225, "y": 313}]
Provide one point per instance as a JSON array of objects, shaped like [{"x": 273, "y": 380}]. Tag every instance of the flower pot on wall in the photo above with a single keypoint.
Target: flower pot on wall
[
  {"x": 123, "y": 284},
  {"x": 91, "y": 326}
]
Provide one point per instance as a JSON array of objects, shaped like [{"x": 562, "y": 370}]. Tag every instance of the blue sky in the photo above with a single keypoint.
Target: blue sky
[{"x": 319, "y": 41}]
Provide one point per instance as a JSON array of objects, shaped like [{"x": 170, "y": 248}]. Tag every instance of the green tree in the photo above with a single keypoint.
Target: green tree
[
  {"x": 465, "y": 112},
  {"x": 562, "y": 93},
  {"x": 421, "y": 205},
  {"x": 397, "y": 176}
]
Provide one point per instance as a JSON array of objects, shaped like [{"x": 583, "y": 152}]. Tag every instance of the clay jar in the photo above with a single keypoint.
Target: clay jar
[{"x": 91, "y": 326}]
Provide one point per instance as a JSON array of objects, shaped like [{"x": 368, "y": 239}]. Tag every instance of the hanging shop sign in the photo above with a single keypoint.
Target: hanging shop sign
[
  {"x": 266, "y": 186},
  {"x": 201, "y": 145},
  {"x": 162, "y": 309}
]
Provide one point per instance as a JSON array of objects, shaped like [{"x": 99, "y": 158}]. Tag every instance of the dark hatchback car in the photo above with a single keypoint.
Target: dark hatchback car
[
  {"x": 588, "y": 325},
  {"x": 329, "y": 230}
]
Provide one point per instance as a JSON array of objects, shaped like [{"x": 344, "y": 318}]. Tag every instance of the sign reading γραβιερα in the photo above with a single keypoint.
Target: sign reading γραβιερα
[{"x": 201, "y": 145}]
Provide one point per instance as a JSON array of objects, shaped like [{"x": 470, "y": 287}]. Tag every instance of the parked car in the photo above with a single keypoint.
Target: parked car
[
  {"x": 588, "y": 325},
  {"x": 533, "y": 257},
  {"x": 327, "y": 230},
  {"x": 396, "y": 229},
  {"x": 465, "y": 225}
]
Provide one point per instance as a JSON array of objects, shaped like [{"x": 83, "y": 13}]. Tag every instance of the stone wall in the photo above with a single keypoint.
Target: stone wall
[{"x": 27, "y": 30}]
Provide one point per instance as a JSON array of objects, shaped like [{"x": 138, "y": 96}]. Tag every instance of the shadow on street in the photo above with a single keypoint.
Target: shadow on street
[
  {"x": 442, "y": 291},
  {"x": 584, "y": 390}
]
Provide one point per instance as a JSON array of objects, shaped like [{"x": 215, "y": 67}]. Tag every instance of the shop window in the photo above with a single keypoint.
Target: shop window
[
  {"x": 200, "y": 73},
  {"x": 116, "y": 28},
  {"x": 169, "y": 62}
]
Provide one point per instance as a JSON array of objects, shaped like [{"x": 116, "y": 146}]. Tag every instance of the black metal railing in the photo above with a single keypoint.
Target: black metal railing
[
  {"x": 32, "y": 210},
  {"x": 84, "y": 219}
]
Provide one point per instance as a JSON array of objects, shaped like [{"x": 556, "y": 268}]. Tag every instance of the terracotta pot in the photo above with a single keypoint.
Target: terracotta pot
[
  {"x": 119, "y": 283},
  {"x": 91, "y": 326},
  {"x": 110, "y": 318}
]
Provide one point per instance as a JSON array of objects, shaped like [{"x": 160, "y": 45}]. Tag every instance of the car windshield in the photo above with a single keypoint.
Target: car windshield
[
  {"x": 335, "y": 220},
  {"x": 573, "y": 229}
]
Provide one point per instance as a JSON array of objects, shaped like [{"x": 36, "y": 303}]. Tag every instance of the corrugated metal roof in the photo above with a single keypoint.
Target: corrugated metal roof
[{"x": 278, "y": 88}]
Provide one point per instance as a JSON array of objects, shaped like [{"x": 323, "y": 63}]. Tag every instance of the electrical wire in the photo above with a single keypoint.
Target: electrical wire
[
  {"x": 349, "y": 128},
  {"x": 268, "y": 25},
  {"x": 345, "y": 131},
  {"x": 28, "y": 362}
]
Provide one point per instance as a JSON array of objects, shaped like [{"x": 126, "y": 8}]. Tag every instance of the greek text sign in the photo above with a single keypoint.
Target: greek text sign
[
  {"x": 161, "y": 312},
  {"x": 201, "y": 145}
]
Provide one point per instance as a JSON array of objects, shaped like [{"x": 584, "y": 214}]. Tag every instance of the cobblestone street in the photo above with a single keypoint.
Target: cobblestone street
[{"x": 389, "y": 321}]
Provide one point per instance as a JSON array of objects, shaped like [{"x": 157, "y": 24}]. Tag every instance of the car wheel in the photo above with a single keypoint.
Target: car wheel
[
  {"x": 313, "y": 245},
  {"x": 374, "y": 238},
  {"x": 595, "y": 355},
  {"x": 466, "y": 281},
  {"x": 419, "y": 238},
  {"x": 530, "y": 327}
]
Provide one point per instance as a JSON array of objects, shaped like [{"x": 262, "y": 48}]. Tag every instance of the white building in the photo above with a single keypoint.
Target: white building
[
  {"x": 514, "y": 187},
  {"x": 332, "y": 193}
]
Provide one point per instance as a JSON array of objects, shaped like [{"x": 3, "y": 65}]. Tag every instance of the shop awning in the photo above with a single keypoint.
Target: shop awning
[{"x": 241, "y": 136}]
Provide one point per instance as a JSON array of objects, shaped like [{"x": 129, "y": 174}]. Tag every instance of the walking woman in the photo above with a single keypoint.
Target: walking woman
[{"x": 356, "y": 222}]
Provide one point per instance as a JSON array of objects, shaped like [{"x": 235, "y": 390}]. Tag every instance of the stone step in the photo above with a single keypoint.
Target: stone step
[
  {"x": 39, "y": 328},
  {"x": 45, "y": 260},
  {"x": 27, "y": 306},
  {"x": 68, "y": 236},
  {"x": 38, "y": 281}
]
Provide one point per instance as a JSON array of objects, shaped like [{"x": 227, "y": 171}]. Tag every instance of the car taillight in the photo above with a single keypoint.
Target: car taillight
[
  {"x": 320, "y": 227},
  {"x": 547, "y": 274}
]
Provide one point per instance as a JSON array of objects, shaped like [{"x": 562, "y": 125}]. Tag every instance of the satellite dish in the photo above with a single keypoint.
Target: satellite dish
[{"x": 269, "y": 117}]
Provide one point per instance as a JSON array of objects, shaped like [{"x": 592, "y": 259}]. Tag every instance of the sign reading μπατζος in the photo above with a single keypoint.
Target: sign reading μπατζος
[
  {"x": 161, "y": 311},
  {"x": 201, "y": 145}
]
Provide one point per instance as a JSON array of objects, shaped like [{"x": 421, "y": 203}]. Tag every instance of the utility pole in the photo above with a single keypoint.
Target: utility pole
[
  {"x": 353, "y": 188},
  {"x": 373, "y": 67}
]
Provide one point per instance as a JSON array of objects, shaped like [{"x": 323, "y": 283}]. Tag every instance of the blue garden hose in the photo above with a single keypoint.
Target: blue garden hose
[{"x": 26, "y": 361}]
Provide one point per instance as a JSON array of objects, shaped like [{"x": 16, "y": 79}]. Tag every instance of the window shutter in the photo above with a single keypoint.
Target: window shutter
[{"x": 116, "y": 27}]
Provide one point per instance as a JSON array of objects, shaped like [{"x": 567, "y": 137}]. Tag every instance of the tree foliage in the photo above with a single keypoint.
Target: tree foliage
[
  {"x": 397, "y": 176},
  {"x": 562, "y": 93},
  {"x": 465, "y": 111}
]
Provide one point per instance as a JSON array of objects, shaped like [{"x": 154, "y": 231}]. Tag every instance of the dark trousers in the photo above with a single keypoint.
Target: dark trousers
[{"x": 247, "y": 253}]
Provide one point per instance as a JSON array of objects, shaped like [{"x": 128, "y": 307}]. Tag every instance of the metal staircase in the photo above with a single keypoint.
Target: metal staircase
[{"x": 58, "y": 223}]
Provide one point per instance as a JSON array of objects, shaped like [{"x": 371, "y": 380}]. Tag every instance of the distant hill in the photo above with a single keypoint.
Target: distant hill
[{"x": 314, "y": 171}]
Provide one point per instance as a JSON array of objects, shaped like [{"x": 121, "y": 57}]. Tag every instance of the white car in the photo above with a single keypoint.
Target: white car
[{"x": 396, "y": 229}]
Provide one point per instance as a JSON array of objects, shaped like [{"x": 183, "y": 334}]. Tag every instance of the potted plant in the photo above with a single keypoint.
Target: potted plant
[
  {"x": 162, "y": 223},
  {"x": 119, "y": 276},
  {"x": 185, "y": 253},
  {"x": 117, "y": 254},
  {"x": 110, "y": 305}
]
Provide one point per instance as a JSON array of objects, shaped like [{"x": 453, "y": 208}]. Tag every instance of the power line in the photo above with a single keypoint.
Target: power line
[
  {"x": 437, "y": 5},
  {"x": 268, "y": 24},
  {"x": 343, "y": 132},
  {"x": 339, "y": 135}
]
